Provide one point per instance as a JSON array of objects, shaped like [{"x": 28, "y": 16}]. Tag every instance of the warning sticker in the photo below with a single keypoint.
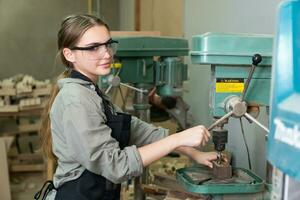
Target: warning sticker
[{"x": 229, "y": 85}]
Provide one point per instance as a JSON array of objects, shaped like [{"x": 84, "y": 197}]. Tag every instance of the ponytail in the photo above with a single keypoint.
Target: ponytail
[{"x": 45, "y": 130}]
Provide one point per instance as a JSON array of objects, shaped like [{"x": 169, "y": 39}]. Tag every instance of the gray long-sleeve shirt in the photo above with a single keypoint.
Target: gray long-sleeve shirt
[{"x": 82, "y": 140}]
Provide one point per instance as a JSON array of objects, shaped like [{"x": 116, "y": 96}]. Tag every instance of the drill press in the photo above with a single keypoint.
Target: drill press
[{"x": 236, "y": 85}]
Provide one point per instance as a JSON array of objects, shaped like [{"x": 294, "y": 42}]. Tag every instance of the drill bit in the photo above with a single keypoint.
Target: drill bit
[{"x": 219, "y": 157}]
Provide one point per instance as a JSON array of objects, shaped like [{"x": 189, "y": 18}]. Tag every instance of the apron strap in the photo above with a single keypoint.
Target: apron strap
[
  {"x": 50, "y": 186},
  {"x": 108, "y": 107}
]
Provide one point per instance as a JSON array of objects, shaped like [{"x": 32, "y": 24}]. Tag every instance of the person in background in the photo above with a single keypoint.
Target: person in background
[{"x": 96, "y": 146}]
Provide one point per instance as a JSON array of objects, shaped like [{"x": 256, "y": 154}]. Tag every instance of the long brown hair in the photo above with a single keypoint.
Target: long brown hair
[{"x": 71, "y": 30}]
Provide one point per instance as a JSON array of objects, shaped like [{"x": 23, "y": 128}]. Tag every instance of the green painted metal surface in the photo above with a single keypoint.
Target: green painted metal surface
[
  {"x": 137, "y": 70},
  {"x": 170, "y": 73},
  {"x": 138, "y": 56},
  {"x": 141, "y": 46},
  {"x": 258, "y": 92},
  {"x": 255, "y": 184},
  {"x": 230, "y": 58},
  {"x": 230, "y": 49}
]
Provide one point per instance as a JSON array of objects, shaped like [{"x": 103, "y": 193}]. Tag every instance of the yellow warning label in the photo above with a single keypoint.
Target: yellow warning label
[{"x": 229, "y": 87}]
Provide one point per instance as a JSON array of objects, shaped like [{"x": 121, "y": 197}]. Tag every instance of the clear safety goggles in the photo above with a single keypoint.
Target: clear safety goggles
[{"x": 97, "y": 51}]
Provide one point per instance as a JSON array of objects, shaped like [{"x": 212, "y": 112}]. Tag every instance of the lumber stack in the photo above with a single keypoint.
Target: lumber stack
[{"x": 23, "y": 92}]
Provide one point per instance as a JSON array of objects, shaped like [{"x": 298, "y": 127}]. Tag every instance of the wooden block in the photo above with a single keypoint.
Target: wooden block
[
  {"x": 42, "y": 91},
  {"x": 1, "y": 103},
  {"x": 222, "y": 170},
  {"x": 24, "y": 90},
  {"x": 9, "y": 108},
  {"x": 6, "y": 100},
  {"x": 30, "y": 103},
  {"x": 154, "y": 189},
  {"x": 29, "y": 127},
  {"x": 8, "y": 141},
  {"x": 23, "y": 129},
  {"x": 26, "y": 157},
  {"x": 7, "y": 92},
  {"x": 33, "y": 107},
  {"x": 26, "y": 167},
  {"x": 176, "y": 195},
  {"x": 4, "y": 175}
]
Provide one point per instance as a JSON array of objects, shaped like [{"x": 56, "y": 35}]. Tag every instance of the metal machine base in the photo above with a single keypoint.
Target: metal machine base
[{"x": 201, "y": 180}]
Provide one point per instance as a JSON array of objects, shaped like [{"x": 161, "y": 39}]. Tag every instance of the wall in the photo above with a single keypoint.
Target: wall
[
  {"x": 28, "y": 32},
  {"x": 156, "y": 15},
  {"x": 127, "y": 13},
  {"x": 241, "y": 16},
  {"x": 109, "y": 11},
  {"x": 164, "y": 16}
]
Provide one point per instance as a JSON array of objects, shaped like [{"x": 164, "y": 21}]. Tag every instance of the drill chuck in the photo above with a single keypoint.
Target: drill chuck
[{"x": 220, "y": 138}]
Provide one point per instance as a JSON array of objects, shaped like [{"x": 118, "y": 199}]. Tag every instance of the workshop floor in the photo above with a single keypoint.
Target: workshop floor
[{"x": 25, "y": 185}]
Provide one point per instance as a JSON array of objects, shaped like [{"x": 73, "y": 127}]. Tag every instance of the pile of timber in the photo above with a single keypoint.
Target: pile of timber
[{"x": 23, "y": 92}]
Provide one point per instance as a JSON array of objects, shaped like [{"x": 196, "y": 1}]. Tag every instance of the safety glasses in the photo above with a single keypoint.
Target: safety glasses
[{"x": 97, "y": 51}]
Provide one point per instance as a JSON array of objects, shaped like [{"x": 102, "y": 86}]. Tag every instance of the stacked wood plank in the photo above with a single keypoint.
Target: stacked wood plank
[
  {"x": 22, "y": 99},
  {"x": 23, "y": 92}
]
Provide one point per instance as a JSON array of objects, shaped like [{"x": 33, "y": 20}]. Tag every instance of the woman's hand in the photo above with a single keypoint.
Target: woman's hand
[
  {"x": 194, "y": 137},
  {"x": 187, "y": 139},
  {"x": 205, "y": 158}
]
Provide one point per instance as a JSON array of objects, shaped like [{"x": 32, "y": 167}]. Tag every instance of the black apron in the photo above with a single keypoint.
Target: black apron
[{"x": 90, "y": 186}]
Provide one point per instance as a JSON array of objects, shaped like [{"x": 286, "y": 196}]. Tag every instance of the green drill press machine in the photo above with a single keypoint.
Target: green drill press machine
[
  {"x": 144, "y": 62},
  {"x": 240, "y": 84}
]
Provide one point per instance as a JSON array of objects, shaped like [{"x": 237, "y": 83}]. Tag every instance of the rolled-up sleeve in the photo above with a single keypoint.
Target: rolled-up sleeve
[
  {"x": 90, "y": 143},
  {"x": 143, "y": 133}
]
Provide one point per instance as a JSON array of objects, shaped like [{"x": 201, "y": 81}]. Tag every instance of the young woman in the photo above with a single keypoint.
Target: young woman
[{"x": 96, "y": 146}]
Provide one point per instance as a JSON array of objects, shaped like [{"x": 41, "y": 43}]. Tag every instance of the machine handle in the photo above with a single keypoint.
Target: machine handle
[
  {"x": 219, "y": 121},
  {"x": 134, "y": 88},
  {"x": 116, "y": 75},
  {"x": 249, "y": 117},
  {"x": 256, "y": 59}
]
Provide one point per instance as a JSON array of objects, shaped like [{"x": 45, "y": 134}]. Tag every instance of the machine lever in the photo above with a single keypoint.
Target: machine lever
[
  {"x": 115, "y": 83},
  {"x": 134, "y": 88},
  {"x": 248, "y": 116},
  {"x": 108, "y": 89},
  {"x": 219, "y": 121},
  {"x": 256, "y": 59}
]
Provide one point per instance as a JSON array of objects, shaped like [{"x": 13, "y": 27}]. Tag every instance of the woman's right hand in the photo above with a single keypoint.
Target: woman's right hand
[{"x": 194, "y": 137}]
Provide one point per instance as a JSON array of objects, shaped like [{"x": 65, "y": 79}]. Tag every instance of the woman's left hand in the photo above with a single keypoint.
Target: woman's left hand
[{"x": 205, "y": 158}]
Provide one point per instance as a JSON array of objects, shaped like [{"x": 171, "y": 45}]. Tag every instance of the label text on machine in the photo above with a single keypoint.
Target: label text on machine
[
  {"x": 229, "y": 85},
  {"x": 288, "y": 135}
]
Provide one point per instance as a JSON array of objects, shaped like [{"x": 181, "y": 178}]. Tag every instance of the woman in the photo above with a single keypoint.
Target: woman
[{"x": 96, "y": 145}]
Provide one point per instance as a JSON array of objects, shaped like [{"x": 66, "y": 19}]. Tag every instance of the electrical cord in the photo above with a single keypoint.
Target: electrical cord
[{"x": 246, "y": 145}]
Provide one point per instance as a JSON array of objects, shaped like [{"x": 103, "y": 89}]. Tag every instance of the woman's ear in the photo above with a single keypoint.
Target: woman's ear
[{"x": 69, "y": 55}]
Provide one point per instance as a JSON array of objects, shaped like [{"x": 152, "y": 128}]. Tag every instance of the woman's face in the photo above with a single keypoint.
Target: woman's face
[{"x": 96, "y": 59}]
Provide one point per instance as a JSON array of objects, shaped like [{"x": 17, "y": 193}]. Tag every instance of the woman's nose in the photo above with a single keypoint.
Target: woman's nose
[{"x": 107, "y": 54}]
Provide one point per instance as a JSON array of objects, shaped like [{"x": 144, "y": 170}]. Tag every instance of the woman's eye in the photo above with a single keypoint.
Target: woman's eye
[{"x": 95, "y": 48}]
